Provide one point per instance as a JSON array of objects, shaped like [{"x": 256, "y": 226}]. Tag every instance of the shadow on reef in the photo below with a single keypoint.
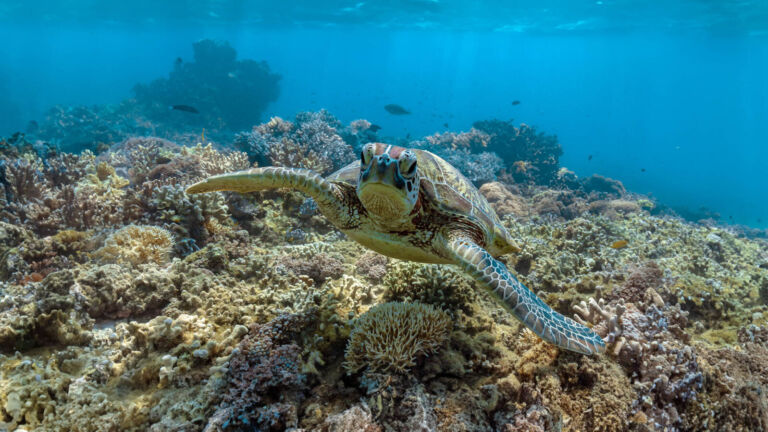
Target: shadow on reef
[{"x": 127, "y": 305}]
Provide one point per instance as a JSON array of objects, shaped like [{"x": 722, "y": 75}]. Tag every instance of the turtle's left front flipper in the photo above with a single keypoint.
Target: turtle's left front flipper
[{"x": 521, "y": 302}]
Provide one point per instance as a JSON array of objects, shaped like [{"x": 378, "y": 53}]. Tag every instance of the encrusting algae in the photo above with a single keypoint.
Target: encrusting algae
[{"x": 138, "y": 307}]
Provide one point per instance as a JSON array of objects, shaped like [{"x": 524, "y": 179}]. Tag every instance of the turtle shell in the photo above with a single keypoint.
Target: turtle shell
[{"x": 449, "y": 191}]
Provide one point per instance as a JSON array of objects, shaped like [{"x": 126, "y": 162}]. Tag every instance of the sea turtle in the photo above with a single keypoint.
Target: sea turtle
[{"x": 411, "y": 204}]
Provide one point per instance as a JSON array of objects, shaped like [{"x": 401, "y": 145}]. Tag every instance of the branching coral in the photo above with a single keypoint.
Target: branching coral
[
  {"x": 536, "y": 154},
  {"x": 594, "y": 312},
  {"x": 136, "y": 342},
  {"x": 310, "y": 141},
  {"x": 468, "y": 152},
  {"x": 192, "y": 215},
  {"x": 392, "y": 336}
]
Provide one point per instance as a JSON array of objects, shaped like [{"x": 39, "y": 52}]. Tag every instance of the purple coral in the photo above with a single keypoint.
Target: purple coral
[
  {"x": 312, "y": 141},
  {"x": 264, "y": 381},
  {"x": 539, "y": 152}
]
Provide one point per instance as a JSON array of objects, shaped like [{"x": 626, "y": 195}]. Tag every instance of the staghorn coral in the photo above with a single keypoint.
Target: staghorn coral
[
  {"x": 137, "y": 244},
  {"x": 23, "y": 181},
  {"x": 212, "y": 162},
  {"x": 651, "y": 345},
  {"x": 392, "y": 336}
]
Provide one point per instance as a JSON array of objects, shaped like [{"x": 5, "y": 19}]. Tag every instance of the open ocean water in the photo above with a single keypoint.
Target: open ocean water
[{"x": 677, "y": 88}]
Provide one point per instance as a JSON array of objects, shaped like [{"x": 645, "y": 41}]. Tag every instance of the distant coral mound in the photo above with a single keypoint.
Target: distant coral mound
[
  {"x": 227, "y": 93},
  {"x": 208, "y": 97}
]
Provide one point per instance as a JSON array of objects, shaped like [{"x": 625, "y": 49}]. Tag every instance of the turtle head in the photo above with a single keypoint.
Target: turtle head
[{"x": 388, "y": 186}]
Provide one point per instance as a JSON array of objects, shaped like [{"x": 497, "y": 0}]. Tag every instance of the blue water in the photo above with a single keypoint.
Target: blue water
[{"x": 678, "y": 90}]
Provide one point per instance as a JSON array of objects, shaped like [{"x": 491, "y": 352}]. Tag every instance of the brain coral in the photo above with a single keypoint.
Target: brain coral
[
  {"x": 391, "y": 336},
  {"x": 138, "y": 244}
]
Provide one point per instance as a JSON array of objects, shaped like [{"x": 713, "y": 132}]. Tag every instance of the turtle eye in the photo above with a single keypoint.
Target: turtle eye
[
  {"x": 407, "y": 164},
  {"x": 367, "y": 153}
]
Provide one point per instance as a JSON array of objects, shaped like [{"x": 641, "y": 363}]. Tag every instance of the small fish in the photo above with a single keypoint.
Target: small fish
[
  {"x": 185, "y": 108},
  {"x": 589, "y": 157},
  {"x": 446, "y": 125},
  {"x": 619, "y": 244},
  {"x": 395, "y": 109},
  {"x": 374, "y": 128},
  {"x": 408, "y": 136},
  {"x": 178, "y": 61},
  {"x": 515, "y": 102},
  {"x": 642, "y": 169}
]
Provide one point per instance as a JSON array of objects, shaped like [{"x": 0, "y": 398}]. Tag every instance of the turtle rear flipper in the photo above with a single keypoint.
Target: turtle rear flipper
[{"x": 521, "y": 302}]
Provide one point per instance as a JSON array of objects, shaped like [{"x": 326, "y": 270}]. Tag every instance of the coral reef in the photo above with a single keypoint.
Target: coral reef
[
  {"x": 311, "y": 141},
  {"x": 126, "y": 304},
  {"x": 528, "y": 155}
]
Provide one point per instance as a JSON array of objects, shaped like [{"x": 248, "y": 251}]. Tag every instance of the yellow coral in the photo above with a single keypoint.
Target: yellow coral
[
  {"x": 391, "y": 336},
  {"x": 138, "y": 244}
]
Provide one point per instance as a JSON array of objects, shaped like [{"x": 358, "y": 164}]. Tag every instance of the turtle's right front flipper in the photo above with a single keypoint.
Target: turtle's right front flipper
[{"x": 258, "y": 179}]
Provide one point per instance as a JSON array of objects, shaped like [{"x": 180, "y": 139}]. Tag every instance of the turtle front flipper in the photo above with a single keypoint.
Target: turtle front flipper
[
  {"x": 258, "y": 179},
  {"x": 521, "y": 302}
]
